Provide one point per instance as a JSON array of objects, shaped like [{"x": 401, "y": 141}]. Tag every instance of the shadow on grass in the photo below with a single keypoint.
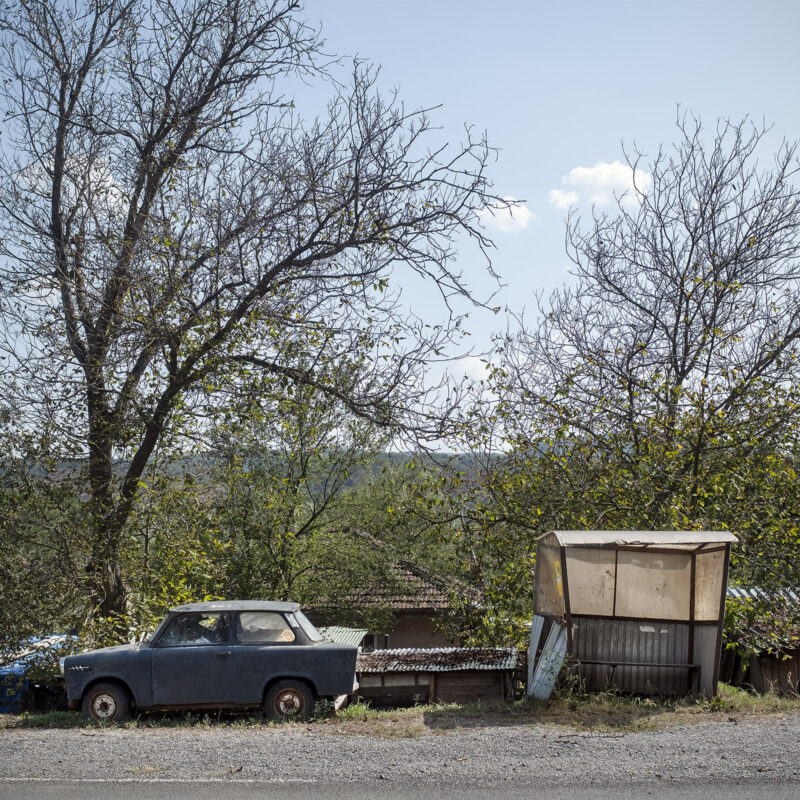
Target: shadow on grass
[
  {"x": 609, "y": 711},
  {"x": 587, "y": 713}
]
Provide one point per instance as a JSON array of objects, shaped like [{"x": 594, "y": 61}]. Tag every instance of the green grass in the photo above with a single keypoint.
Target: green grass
[
  {"x": 602, "y": 711},
  {"x": 44, "y": 719}
]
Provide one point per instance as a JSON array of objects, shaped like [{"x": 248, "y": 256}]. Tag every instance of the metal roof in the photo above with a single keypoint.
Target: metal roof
[
  {"x": 439, "y": 659},
  {"x": 239, "y": 605},
  {"x": 643, "y": 538},
  {"x": 340, "y": 635},
  {"x": 776, "y": 631},
  {"x": 755, "y": 593}
]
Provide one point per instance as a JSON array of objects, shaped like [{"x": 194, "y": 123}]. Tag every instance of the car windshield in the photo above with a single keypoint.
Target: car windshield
[
  {"x": 310, "y": 631},
  {"x": 151, "y": 635}
]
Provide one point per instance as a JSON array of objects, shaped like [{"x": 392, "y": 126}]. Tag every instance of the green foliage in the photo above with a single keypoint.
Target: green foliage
[
  {"x": 770, "y": 624},
  {"x": 190, "y": 240},
  {"x": 42, "y": 528},
  {"x": 283, "y": 472}
]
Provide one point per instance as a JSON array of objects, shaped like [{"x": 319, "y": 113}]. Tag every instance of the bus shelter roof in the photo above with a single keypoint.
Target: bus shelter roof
[{"x": 643, "y": 539}]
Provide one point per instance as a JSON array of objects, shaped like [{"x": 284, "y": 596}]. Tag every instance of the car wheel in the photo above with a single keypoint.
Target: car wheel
[
  {"x": 106, "y": 702},
  {"x": 289, "y": 700}
]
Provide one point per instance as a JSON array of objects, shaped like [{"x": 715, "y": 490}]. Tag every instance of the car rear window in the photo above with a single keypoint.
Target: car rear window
[
  {"x": 308, "y": 628},
  {"x": 263, "y": 627}
]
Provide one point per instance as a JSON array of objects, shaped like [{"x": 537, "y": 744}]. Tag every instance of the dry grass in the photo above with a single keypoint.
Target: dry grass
[
  {"x": 582, "y": 712},
  {"x": 590, "y": 712}
]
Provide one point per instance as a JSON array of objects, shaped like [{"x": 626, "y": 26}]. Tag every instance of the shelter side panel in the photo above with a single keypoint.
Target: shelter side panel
[
  {"x": 638, "y": 657},
  {"x": 705, "y": 654}
]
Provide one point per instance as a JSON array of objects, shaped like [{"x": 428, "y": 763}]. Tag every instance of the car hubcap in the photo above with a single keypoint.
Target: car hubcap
[
  {"x": 289, "y": 703},
  {"x": 104, "y": 706}
]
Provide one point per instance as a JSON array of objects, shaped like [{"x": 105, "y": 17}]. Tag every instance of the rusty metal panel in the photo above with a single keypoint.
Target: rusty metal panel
[
  {"x": 626, "y": 649},
  {"x": 438, "y": 659}
]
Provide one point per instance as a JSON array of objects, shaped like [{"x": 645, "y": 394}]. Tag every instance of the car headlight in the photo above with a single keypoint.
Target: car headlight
[{"x": 61, "y": 664}]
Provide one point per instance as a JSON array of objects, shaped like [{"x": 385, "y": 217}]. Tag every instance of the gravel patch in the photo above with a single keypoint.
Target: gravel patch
[{"x": 754, "y": 749}]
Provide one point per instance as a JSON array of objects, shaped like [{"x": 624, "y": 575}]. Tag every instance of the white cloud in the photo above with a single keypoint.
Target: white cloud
[
  {"x": 562, "y": 199},
  {"x": 512, "y": 218},
  {"x": 81, "y": 177},
  {"x": 474, "y": 368},
  {"x": 600, "y": 185}
]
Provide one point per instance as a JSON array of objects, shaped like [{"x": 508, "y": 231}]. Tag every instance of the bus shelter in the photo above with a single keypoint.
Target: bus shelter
[{"x": 641, "y": 611}]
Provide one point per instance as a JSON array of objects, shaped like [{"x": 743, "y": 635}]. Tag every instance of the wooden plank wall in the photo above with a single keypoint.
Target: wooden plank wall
[
  {"x": 770, "y": 673},
  {"x": 409, "y": 688},
  {"x": 467, "y": 687},
  {"x": 767, "y": 673}
]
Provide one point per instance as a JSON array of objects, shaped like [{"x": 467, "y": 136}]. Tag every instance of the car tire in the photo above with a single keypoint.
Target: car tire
[
  {"x": 289, "y": 699},
  {"x": 106, "y": 702}
]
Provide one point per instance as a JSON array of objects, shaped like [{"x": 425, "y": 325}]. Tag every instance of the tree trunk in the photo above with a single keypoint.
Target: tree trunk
[{"x": 107, "y": 591}]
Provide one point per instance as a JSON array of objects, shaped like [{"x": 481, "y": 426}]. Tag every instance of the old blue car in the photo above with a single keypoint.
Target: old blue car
[{"x": 223, "y": 654}]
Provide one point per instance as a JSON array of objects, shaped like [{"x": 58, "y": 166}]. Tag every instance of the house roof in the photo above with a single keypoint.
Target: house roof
[
  {"x": 439, "y": 659},
  {"x": 408, "y": 587},
  {"x": 411, "y": 589}
]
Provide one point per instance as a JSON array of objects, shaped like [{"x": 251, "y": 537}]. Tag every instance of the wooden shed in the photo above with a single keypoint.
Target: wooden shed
[
  {"x": 437, "y": 675},
  {"x": 641, "y": 610}
]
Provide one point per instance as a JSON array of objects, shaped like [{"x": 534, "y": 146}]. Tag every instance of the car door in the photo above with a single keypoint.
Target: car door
[
  {"x": 265, "y": 646},
  {"x": 193, "y": 661}
]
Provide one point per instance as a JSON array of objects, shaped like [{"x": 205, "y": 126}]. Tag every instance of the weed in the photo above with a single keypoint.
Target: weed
[
  {"x": 360, "y": 710},
  {"x": 323, "y": 709}
]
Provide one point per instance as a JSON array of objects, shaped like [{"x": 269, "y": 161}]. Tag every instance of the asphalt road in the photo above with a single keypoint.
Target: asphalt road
[{"x": 729, "y": 758}]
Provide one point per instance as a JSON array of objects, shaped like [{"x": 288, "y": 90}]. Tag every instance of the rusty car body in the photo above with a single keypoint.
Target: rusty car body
[{"x": 224, "y": 654}]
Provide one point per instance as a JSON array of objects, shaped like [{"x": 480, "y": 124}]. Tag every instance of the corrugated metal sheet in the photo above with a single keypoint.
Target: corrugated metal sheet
[
  {"x": 639, "y": 642},
  {"x": 754, "y": 593},
  {"x": 439, "y": 659},
  {"x": 340, "y": 635},
  {"x": 643, "y": 538},
  {"x": 549, "y": 663}
]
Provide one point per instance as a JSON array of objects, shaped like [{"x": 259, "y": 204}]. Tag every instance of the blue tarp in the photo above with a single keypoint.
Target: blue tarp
[{"x": 13, "y": 680}]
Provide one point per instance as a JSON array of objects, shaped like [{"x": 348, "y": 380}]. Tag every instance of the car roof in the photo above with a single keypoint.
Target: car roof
[{"x": 239, "y": 605}]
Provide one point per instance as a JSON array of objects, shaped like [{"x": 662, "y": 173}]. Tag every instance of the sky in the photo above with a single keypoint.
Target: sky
[{"x": 559, "y": 87}]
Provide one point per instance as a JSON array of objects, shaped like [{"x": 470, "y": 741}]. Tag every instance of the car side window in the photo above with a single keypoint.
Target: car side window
[
  {"x": 195, "y": 628},
  {"x": 262, "y": 627}
]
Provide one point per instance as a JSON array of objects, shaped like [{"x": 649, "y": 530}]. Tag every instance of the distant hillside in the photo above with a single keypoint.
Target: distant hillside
[{"x": 201, "y": 467}]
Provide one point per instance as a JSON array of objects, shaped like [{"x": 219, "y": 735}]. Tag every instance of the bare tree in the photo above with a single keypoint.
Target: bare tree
[
  {"x": 171, "y": 228},
  {"x": 677, "y": 344}
]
